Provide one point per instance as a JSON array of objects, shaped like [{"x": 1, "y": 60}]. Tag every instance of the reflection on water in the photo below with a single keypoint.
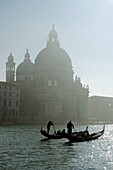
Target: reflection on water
[{"x": 22, "y": 148}]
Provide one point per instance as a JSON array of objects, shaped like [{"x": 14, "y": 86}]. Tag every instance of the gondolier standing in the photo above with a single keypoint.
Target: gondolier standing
[
  {"x": 70, "y": 126},
  {"x": 50, "y": 123}
]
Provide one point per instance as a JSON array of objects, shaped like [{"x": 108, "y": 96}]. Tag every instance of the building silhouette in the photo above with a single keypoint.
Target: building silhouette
[
  {"x": 48, "y": 88},
  {"x": 100, "y": 109},
  {"x": 9, "y": 102}
]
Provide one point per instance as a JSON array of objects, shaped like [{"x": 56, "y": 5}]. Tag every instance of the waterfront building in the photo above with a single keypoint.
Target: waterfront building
[
  {"x": 48, "y": 88},
  {"x": 9, "y": 102},
  {"x": 100, "y": 109}
]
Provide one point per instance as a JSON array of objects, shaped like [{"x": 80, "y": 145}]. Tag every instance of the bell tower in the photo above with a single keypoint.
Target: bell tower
[{"x": 10, "y": 69}]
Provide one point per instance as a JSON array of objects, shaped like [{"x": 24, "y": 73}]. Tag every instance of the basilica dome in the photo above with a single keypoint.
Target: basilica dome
[
  {"x": 26, "y": 67},
  {"x": 53, "y": 54}
]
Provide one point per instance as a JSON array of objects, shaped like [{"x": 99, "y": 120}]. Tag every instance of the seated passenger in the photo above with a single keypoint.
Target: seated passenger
[
  {"x": 63, "y": 131},
  {"x": 58, "y": 132}
]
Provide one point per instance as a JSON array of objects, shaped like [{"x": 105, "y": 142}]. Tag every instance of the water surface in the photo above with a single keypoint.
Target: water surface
[{"x": 21, "y": 148}]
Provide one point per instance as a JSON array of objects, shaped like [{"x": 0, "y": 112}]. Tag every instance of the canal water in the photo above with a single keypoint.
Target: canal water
[{"x": 22, "y": 148}]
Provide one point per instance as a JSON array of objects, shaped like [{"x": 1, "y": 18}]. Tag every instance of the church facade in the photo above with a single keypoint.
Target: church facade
[{"x": 48, "y": 88}]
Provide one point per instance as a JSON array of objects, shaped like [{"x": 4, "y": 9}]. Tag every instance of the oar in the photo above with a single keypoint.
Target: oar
[
  {"x": 75, "y": 130},
  {"x": 54, "y": 129}
]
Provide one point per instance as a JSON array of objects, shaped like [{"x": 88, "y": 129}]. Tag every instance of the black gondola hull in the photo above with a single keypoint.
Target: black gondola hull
[{"x": 84, "y": 138}]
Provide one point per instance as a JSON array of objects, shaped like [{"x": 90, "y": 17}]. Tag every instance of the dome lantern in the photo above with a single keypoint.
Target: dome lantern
[
  {"x": 27, "y": 56},
  {"x": 53, "y": 38},
  {"x": 10, "y": 58}
]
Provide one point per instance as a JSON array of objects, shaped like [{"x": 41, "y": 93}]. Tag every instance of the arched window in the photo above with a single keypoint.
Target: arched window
[
  {"x": 8, "y": 69},
  {"x": 12, "y": 69},
  {"x": 55, "y": 83},
  {"x": 49, "y": 83}
]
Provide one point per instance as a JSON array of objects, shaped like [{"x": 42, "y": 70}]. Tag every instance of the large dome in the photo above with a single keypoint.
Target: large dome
[
  {"x": 26, "y": 67},
  {"x": 53, "y": 54}
]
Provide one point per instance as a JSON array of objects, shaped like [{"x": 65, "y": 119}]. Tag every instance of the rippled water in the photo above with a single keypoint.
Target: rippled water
[{"x": 21, "y": 148}]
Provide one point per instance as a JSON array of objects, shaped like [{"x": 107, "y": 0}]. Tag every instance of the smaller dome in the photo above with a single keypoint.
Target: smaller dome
[{"x": 26, "y": 67}]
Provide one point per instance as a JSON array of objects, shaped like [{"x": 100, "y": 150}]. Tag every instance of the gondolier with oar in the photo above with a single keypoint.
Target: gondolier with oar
[
  {"x": 70, "y": 126},
  {"x": 50, "y": 123}
]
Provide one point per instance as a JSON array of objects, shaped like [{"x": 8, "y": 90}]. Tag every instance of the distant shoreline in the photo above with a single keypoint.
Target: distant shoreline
[{"x": 56, "y": 123}]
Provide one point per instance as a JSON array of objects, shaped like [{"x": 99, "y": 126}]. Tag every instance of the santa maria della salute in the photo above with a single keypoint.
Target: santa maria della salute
[{"x": 43, "y": 90}]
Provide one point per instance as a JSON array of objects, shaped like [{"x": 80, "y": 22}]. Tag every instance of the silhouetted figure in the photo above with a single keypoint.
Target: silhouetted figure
[
  {"x": 69, "y": 127},
  {"x": 50, "y": 123},
  {"x": 87, "y": 130},
  {"x": 63, "y": 131},
  {"x": 58, "y": 132}
]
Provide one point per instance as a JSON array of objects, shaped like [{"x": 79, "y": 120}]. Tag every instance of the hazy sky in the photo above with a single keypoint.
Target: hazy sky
[{"x": 84, "y": 27}]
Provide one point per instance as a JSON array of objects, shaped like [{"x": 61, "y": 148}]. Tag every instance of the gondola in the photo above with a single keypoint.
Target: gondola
[
  {"x": 51, "y": 136},
  {"x": 85, "y": 137},
  {"x": 60, "y": 135}
]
